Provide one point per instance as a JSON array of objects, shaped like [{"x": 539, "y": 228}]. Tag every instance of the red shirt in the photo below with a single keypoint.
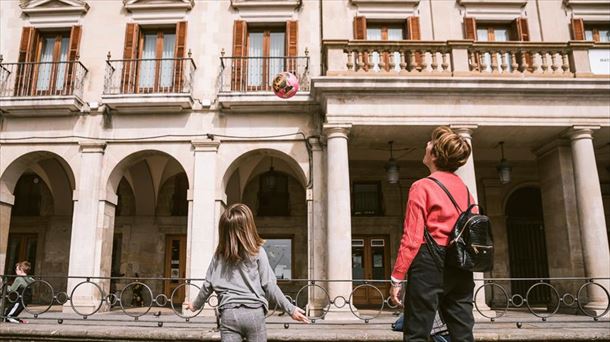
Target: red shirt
[{"x": 429, "y": 206}]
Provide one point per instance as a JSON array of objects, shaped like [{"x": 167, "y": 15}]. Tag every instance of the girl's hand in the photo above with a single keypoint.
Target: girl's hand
[
  {"x": 299, "y": 315},
  {"x": 394, "y": 292},
  {"x": 190, "y": 306}
]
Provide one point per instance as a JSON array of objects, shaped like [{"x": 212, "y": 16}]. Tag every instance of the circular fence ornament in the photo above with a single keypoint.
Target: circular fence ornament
[{"x": 285, "y": 85}]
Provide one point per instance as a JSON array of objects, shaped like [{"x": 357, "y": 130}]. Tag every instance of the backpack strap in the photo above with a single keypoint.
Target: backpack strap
[{"x": 449, "y": 194}]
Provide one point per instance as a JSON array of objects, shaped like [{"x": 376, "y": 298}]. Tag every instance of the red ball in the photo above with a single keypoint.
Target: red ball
[{"x": 285, "y": 85}]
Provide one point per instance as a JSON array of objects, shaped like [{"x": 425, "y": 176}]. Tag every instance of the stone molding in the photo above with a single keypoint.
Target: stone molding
[
  {"x": 266, "y": 10},
  {"x": 337, "y": 130},
  {"x": 464, "y": 130},
  {"x": 205, "y": 145},
  {"x": 588, "y": 10},
  {"x": 54, "y": 13},
  {"x": 493, "y": 9},
  {"x": 158, "y": 12},
  {"x": 92, "y": 146},
  {"x": 386, "y": 9},
  {"x": 581, "y": 132}
]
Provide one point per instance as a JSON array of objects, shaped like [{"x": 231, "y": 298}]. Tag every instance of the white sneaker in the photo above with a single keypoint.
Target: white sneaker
[{"x": 12, "y": 320}]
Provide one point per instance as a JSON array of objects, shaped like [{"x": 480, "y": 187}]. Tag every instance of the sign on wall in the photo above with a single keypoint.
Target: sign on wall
[{"x": 600, "y": 61}]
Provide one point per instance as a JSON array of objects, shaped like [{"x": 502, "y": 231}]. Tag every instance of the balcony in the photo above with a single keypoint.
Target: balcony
[
  {"x": 246, "y": 83},
  {"x": 41, "y": 88},
  {"x": 459, "y": 58},
  {"x": 161, "y": 85}
]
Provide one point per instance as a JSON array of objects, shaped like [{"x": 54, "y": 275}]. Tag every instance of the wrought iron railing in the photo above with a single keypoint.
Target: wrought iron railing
[
  {"x": 256, "y": 74},
  {"x": 42, "y": 78},
  {"x": 149, "y": 76},
  {"x": 133, "y": 299}
]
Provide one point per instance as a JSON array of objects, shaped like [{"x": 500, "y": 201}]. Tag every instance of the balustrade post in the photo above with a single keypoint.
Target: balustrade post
[
  {"x": 579, "y": 60},
  {"x": 461, "y": 58}
]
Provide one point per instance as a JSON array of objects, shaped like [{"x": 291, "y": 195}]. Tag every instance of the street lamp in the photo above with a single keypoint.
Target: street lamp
[
  {"x": 504, "y": 168},
  {"x": 391, "y": 167}
]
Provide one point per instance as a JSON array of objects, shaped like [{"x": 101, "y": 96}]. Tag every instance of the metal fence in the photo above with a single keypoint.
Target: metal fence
[
  {"x": 255, "y": 74},
  {"x": 42, "y": 78},
  {"x": 120, "y": 299},
  {"x": 149, "y": 76}
]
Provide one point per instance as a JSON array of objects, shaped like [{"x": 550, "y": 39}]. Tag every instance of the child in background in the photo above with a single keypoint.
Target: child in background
[
  {"x": 22, "y": 269},
  {"x": 242, "y": 278}
]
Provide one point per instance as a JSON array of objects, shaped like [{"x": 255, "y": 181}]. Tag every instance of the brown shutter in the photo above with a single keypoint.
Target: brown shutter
[
  {"x": 359, "y": 27},
  {"x": 292, "y": 32},
  {"x": 413, "y": 30},
  {"x": 130, "y": 53},
  {"x": 73, "y": 48},
  {"x": 27, "y": 53},
  {"x": 522, "y": 30},
  {"x": 578, "y": 29},
  {"x": 240, "y": 48},
  {"x": 470, "y": 28},
  {"x": 182, "y": 66},
  {"x": 413, "y": 33}
]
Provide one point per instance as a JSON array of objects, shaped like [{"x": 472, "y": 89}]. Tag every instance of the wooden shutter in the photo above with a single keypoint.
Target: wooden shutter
[
  {"x": 130, "y": 54},
  {"x": 181, "y": 65},
  {"x": 292, "y": 30},
  {"x": 578, "y": 29},
  {"x": 413, "y": 33},
  {"x": 522, "y": 30},
  {"x": 359, "y": 27},
  {"x": 73, "y": 48},
  {"x": 28, "y": 51},
  {"x": 240, "y": 48},
  {"x": 470, "y": 28}
]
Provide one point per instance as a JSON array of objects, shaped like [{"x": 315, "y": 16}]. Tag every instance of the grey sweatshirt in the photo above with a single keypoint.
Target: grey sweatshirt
[{"x": 251, "y": 283}]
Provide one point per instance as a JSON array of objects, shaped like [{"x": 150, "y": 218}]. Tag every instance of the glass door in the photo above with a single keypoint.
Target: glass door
[
  {"x": 370, "y": 261},
  {"x": 21, "y": 247},
  {"x": 175, "y": 266}
]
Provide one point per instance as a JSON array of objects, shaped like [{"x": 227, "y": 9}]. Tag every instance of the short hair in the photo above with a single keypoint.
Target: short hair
[
  {"x": 24, "y": 266},
  {"x": 450, "y": 149}
]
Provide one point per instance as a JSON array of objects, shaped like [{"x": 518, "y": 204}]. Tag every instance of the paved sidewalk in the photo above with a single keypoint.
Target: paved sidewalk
[{"x": 118, "y": 327}]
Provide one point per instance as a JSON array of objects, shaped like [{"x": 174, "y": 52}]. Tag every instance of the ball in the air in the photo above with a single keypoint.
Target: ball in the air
[{"x": 285, "y": 85}]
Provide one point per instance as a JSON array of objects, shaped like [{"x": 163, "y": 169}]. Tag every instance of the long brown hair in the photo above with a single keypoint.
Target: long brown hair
[{"x": 238, "y": 238}]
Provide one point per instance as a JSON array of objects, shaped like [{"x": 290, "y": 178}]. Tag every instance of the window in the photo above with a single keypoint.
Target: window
[
  {"x": 153, "y": 59},
  {"x": 385, "y": 32},
  {"x": 266, "y": 49},
  {"x": 366, "y": 198},
  {"x": 494, "y": 33},
  {"x": 597, "y": 33},
  {"x": 52, "y": 69},
  {"x": 279, "y": 252},
  {"x": 273, "y": 197}
]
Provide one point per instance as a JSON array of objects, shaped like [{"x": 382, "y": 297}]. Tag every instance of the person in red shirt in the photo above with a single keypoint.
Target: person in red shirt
[{"x": 430, "y": 286}]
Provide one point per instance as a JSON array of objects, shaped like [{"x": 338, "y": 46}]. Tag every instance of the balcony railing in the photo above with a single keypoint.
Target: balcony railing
[
  {"x": 149, "y": 76},
  {"x": 458, "y": 58},
  {"x": 255, "y": 74},
  {"x": 28, "y": 79}
]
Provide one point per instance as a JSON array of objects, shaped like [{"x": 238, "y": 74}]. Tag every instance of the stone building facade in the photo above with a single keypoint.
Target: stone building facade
[{"x": 126, "y": 127}]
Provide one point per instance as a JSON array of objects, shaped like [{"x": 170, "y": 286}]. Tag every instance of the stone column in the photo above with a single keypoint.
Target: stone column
[
  {"x": 468, "y": 175},
  {"x": 87, "y": 243},
  {"x": 201, "y": 241},
  {"x": 590, "y": 215},
  {"x": 317, "y": 233},
  {"x": 339, "y": 220}
]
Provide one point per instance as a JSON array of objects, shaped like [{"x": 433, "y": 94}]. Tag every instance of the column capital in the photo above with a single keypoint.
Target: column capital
[
  {"x": 581, "y": 132},
  {"x": 337, "y": 130},
  {"x": 464, "y": 130},
  {"x": 316, "y": 144},
  {"x": 205, "y": 145},
  {"x": 92, "y": 146}
]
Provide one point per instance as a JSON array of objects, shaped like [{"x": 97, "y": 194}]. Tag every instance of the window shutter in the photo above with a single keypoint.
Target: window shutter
[
  {"x": 359, "y": 27},
  {"x": 413, "y": 33},
  {"x": 181, "y": 64},
  {"x": 413, "y": 30},
  {"x": 28, "y": 48},
  {"x": 73, "y": 48},
  {"x": 130, "y": 53},
  {"x": 470, "y": 28},
  {"x": 238, "y": 69},
  {"x": 522, "y": 30},
  {"x": 578, "y": 29},
  {"x": 292, "y": 32}
]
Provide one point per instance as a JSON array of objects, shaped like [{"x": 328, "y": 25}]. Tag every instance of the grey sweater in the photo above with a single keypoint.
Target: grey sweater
[{"x": 251, "y": 283}]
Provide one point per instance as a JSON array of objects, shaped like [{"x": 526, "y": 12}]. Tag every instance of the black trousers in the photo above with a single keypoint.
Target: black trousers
[{"x": 429, "y": 289}]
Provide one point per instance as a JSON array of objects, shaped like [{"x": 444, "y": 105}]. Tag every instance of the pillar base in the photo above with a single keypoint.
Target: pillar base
[
  {"x": 597, "y": 308},
  {"x": 342, "y": 314}
]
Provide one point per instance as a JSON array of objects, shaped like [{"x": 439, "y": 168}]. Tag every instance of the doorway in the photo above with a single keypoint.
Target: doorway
[
  {"x": 175, "y": 266},
  {"x": 370, "y": 261},
  {"x": 527, "y": 244},
  {"x": 20, "y": 247}
]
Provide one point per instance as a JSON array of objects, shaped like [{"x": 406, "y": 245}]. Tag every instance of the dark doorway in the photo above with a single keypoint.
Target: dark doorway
[{"x": 527, "y": 244}]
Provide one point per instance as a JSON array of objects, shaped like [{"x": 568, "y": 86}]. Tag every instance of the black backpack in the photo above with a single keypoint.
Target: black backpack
[{"x": 471, "y": 245}]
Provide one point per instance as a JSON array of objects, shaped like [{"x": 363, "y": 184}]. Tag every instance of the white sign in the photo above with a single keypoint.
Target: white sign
[{"x": 600, "y": 61}]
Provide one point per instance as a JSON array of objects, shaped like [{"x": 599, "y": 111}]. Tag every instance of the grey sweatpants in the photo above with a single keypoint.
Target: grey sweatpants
[{"x": 242, "y": 322}]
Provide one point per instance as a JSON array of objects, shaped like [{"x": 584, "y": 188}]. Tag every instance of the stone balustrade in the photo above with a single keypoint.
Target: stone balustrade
[{"x": 458, "y": 58}]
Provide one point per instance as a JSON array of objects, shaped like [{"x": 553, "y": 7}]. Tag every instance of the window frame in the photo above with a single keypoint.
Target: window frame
[
  {"x": 159, "y": 42},
  {"x": 379, "y": 210},
  {"x": 290, "y": 237},
  {"x": 265, "y": 83},
  {"x": 594, "y": 28},
  {"x": 58, "y": 35}
]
